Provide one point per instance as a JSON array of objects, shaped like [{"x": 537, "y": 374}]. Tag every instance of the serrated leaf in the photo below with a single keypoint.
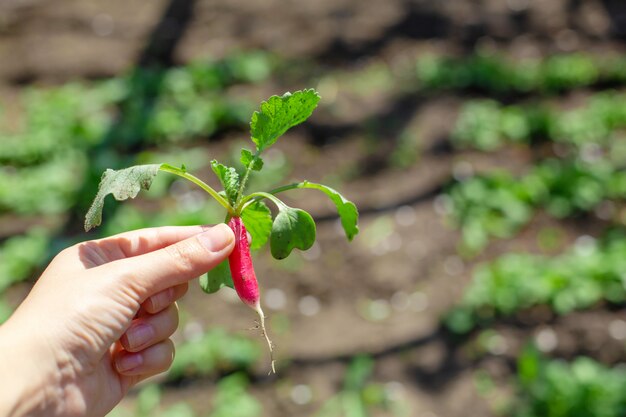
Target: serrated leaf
[
  {"x": 279, "y": 114},
  {"x": 346, "y": 209},
  {"x": 257, "y": 218},
  {"x": 292, "y": 228},
  {"x": 229, "y": 178},
  {"x": 217, "y": 278},
  {"x": 247, "y": 157},
  {"x": 123, "y": 184}
]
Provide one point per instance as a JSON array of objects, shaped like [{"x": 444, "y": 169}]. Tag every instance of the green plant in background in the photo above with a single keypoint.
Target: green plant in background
[
  {"x": 498, "y": 204},
  {"x": 48, "y": 188},
  {"x": 477, "y": 71},
  {"x": 19, "y": 257},
  {"x": 496, "y": 74},
  {"x": 148, "y": 405},
  {"x": 579, "y": 278},
  {"x": 211, "y": 352},
  {"x": 186, "y": 102},
  {"x": 358, "y": 398},
  {"x": 490, "y": 205},
  {"x": 230, "y": 400},
  {"x": 554, "y": 388},
  {"x": 487, "y": 125},
  {"x": 583, "y": 170}
]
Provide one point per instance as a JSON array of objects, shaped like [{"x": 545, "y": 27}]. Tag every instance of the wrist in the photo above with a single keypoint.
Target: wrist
[{"x": 27, "y": 379}]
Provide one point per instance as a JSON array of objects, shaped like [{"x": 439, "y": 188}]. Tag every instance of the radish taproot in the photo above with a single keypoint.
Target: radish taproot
[
  {"x": 287, "y": 229},
  {"x": 244, "y": 277}
]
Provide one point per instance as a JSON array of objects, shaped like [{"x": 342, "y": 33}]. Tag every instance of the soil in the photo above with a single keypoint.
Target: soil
[{"x": 413, "y": 269}]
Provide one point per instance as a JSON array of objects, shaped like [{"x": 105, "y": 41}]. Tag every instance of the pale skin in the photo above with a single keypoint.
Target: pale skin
[{"x": 99, "y": 320}]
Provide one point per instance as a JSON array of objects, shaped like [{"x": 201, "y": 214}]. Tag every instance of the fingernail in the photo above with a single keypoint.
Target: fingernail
[
  {"x": 218, "y": 238},
  {"x": 139, "y": 335},
  {"x": 162, "y": 299},
  {"x": 129, "y": 361}
]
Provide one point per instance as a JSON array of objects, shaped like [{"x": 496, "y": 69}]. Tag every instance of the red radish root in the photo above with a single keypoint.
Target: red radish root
[{"x": 244, "y": 278}]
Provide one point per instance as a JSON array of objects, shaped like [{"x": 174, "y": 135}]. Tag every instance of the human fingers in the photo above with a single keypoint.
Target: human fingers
[
  {"x": 135, "y": 242},
  {"x": 153, "y": 272},
  {"x": 165, "y": 298},
  {"x": 150, "y": 329},
  {"x": 148, "y": 362},
  {"x": 142, "y": 241}
]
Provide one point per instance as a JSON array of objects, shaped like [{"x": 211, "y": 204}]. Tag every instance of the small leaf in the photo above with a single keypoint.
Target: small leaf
[
  {"x": 123, "y": 184},
  {"x": 217, "y": 278},
  {"x": 257, "y": 218},
  {"x": 279, "y": 114},
  {"x": 292, "y": 228},
  {"x": 229, "y": 178},
  {"x": 348, "y": 212},
  {"x": 247, "y": 157}
]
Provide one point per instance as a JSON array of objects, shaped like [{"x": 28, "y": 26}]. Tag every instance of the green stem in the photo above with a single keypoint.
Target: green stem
[
  {"x": 250, "y": 198},
  {"x": 244, "y": 181},
  {"x": 177, "y": 171},
  {"x": 287, "y": 187}
]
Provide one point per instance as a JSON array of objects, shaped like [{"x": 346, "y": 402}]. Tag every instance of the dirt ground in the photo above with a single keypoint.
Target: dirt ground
[{"x": 412, "y": 272}]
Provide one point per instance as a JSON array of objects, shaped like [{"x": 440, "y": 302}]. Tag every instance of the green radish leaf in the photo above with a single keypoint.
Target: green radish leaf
[
  {"x": 229, "y": 178},
  {"x": 123, "y": 184},
  {"x": 279, "y": 114},
  {"x": 257, "y": 218},
  {"x": 292, "y": 228},
  {"x": 247, "y": 157},
  {"x": 348, "y": 212},
  {"x": 217, "y": 278}
]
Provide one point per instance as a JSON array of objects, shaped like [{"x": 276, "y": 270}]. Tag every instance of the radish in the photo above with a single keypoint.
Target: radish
[
  {"x": 244, "y": 277},
  {"x": 290, "y": 228}
]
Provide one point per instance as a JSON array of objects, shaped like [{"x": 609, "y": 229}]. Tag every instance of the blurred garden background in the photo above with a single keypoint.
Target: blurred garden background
[{"x": 484, "y": 143}]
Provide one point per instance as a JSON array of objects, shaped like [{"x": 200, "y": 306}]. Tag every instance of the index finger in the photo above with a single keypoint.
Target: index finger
[
  {"x": 175, "y": 264},
  {"x": 141, "y": 241}
]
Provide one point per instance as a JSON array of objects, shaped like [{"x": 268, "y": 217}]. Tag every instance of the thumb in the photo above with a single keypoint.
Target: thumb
[{"x": 183, "y": 261}]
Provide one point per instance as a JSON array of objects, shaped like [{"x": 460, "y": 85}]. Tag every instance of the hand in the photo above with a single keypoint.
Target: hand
[{"x": 99, "y": 319}]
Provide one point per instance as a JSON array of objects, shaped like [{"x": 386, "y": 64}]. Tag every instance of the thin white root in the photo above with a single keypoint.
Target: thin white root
[{"x": 259, "y": 311}]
